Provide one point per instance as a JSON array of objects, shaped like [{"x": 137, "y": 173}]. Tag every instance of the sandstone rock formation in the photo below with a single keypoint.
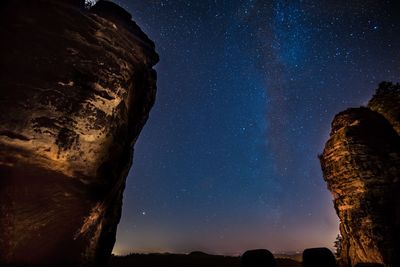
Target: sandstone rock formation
[
  {"x": 361, "y": 165},
  {"x": 76, "y": 88}
]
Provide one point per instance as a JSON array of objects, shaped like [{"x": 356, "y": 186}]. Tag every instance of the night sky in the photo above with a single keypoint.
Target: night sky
[{"x": 246, "y": 93}]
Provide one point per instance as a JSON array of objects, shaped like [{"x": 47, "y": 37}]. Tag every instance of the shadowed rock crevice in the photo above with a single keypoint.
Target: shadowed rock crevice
[
  {"x": 361, "y": 165},
  {"x": 77, "y": 87}
]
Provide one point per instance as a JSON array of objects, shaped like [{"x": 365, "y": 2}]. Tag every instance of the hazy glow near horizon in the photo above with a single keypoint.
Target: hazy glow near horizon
[{"x": 246, "y": 93}]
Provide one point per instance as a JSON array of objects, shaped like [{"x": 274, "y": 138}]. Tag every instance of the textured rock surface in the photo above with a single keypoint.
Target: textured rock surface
[
  {"x": 361, "y": 165},
  {"x": 76, "y": 87}
]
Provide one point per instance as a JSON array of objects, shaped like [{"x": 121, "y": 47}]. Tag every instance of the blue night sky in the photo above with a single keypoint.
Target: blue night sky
[{"x": 246, "y": 92}]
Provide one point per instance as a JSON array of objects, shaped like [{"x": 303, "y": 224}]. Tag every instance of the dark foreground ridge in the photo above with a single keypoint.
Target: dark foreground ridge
[
  {"x": 312, "y": 257},
  {"x": 77, "y": 86},
  {"x": 361, "y": 165},
  {"x": 200, "y": 259}
]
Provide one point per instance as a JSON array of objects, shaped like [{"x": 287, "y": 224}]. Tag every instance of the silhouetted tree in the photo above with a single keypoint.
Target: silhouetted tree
[{"x": 338, "y": 245}]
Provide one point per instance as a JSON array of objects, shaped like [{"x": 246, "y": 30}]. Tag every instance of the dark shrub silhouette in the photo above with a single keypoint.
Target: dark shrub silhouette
[
  {"x": 369, "y": 265},
  {"x": 318, "y": 257},
  {"x": 257, "y": 258}
]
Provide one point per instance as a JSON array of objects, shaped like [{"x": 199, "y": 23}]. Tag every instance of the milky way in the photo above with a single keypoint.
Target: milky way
[{"x": 246, "y": 93}]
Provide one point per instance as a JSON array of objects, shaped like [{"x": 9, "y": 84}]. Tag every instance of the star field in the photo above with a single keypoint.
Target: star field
[{"x": 246, "y": 92}]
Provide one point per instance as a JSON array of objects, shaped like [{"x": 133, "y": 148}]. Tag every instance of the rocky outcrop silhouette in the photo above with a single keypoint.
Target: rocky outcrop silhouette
[
  {"x": 257, "y": 258},
  {"x": 77, "y": 86},
  {"x": 361, "y": 165},
  {"x": 318, "y": 257},
  {"x": 386, "y": 101}
]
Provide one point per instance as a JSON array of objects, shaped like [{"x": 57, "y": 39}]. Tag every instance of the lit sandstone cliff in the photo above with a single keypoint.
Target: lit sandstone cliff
[
  {"x": 76, "y": 88},
  {"x": 361, "y": 165}
]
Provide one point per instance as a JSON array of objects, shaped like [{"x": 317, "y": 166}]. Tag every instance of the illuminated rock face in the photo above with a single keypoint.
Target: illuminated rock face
[
  {"x": 76, "y": 88},
  {"x": 361, "y": 165}
]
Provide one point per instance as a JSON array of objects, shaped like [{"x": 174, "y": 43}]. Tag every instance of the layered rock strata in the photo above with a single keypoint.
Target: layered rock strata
[
  {"x": 76, "y": 88},
  {"x": 361, "y": 165}
]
